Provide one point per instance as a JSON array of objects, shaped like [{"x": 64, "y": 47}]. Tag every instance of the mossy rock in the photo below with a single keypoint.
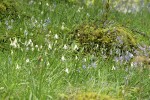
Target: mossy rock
[
  {"x": 8, "y": 8},
  {"x": 2, "y": 7},
  {"x": 93, "y": 38},
  {"x": 86, "y": 96}
]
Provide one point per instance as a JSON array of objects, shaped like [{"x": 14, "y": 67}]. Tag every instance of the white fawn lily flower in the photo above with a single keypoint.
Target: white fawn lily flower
[
  {"x": 67, "y": 70},
  {"x": 56, "y": 36},
  {"x": 14, "y": 43},
  {"x": 63, "y": 58}
]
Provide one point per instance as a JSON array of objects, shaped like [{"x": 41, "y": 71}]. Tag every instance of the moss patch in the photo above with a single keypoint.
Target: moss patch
[
  {"x": 8, "y": 8},
  {"x": 86, "y": 96},
  {"x": 94, "y": 38}
]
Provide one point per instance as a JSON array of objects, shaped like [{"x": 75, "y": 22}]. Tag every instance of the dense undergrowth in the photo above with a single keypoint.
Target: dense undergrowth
[{"x": 68, "y": 50}]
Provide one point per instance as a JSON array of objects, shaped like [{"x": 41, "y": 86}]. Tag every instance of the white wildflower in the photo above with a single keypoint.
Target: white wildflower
[
  {"x": 14, "y": 43},
  {"x": 79, "y": 9},
  {"x": 50, "y": 32},
  {"x": 76, "y": 57},
  {"x": 56, "y": 36},
  {"x": 88, "y": 14},
  {"x": 1, "y": 88},
  {"x": 63, "y": 58},
  {"x": 32, "y": 49},
  {"x": 67, "y": 70},
  {"x": 65, "y": 47},
  {"x": 17, "y": 66},
  {"x": 30, "y": 41},
  {"x": 36, "y": 46},
  {"x": 84, "y": 60},
  {"x": 27, "y": 60},
  {"x": 49, "y": 46},
  {"x": 48, "y": 63},
  {"x": 47, "y": 4},
  {"x": 113, "y": 68},
  {"x": 25, "y": 32},
  {"x": 75, "y": 47},
  {"x": 42, "y": 12},
  {"x": 27, "y": 48}
]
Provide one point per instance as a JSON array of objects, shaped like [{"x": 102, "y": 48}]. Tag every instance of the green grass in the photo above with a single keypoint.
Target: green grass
[{"x": 43, "y": 73}]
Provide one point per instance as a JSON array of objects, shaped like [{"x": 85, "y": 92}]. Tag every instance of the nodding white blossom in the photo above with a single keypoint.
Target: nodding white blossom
[
  {"x": 49, "y": 46},
  {"x": 113, "y": 68},
  {"x": 84, "y": 60},
  {"x": 63, "y": 58},
  {"x": 25, "y": 32},
  {"x": 67, "y": 70},
  {"x": 14, "y": 43},
  {"x": 1, "y": 88},
  {"x": 27, "y": 60},
  {"x": 32, "y": 49},
  {"x": 42, "y": 12},
  {"x": 47, "y": 4},
  {"x": 30, "y": 43},
  {"x": 76, "y": 57},
  {"x": 56, "y": 36},
  {"x": 17, "y": 66},
  {"x": 36, "y": 46},
  {"x": 50, "y": 32},
  {"x": 94, "y": 64},
  {"x": 88, "y": 14},
  {"x": 65, "y": 47},
  {"x": 48, "y": 63},
  {"x": 89, "y": 2},
  {"x": 79, "y": 9},
  {"x": 75, "y": 47},
  {"x": 9, "y": 27}
]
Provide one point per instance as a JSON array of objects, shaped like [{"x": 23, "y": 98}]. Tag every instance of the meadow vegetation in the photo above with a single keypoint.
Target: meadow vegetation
[{"x": 73, "y": 50}]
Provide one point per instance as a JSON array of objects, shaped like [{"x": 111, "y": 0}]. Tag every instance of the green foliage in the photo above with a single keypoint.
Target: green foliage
[{"x": 40, "y": 62}]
